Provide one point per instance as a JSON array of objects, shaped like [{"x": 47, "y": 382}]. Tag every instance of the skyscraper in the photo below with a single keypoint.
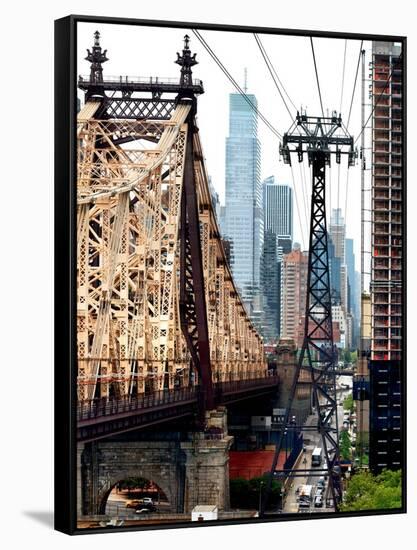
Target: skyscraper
[
  {"x": 334, "y": 268},
  {"x": 386, "y": 248},
  {"x": 270, "y": 285},
  {"x": 244, "y": 215},
  {"x": 350, "y": 264},
  {"x": 337, "y": 231},
  {"x": 293, "y": 294},
  {"x": 278, "y": 224},
  {"x": 278, "y": 210}
]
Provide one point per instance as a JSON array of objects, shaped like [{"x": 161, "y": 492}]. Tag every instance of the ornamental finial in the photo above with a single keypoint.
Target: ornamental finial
[
  {"x": 186, "y": 61},
  {"x": 96, "y": 57}
]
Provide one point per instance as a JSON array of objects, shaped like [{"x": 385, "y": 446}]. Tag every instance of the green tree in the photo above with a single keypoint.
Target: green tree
[
  {"x": 345, "y": 445},
  {"x": 244, "y": 493},
  {"x": 369, "y": 492},
  {"x": 348, "y": 403},
  {"x": 134, "y": 483}
]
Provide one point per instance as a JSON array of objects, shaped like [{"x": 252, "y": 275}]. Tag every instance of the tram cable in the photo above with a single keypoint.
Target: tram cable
[
  {"x": 274, "y": 74},
  {"x": 317, "y": 75},
  {"x": 236, "y": 85}
]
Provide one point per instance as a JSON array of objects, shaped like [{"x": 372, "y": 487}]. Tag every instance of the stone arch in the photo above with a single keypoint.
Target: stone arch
[
  {"x": 110, "y": 483},
  {"x": 104, "y": 463}
]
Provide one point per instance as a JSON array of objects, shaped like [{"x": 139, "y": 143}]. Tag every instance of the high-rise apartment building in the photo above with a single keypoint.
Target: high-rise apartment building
[
  {"x": 293, "y": 294},
  {"x": 337, "y": 232},
  {"x": 339, "y": 317},
  {"x": 270, "y": 285},
  {"x": 278, "y": 208},
  {"x": 334, "y": 268},
  {"x": 386, "y": 249},
  {"x": 244, "y": 213},
  {"x": 352, "y": 295},
  {"x": 278, "y": 226}
]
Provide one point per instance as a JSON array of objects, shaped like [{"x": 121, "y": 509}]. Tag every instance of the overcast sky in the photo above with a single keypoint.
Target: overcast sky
[{"x": 151, "y": 51}]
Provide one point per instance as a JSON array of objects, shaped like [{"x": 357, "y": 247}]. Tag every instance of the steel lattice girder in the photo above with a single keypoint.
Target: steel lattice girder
[
  {"x": 319, "y": 316},
  {"x": 138, "y": 108},
  {"x": 318, "y": 134},
  {"x": 129, "y": 333},
  {"x": 317, "y": 360}
]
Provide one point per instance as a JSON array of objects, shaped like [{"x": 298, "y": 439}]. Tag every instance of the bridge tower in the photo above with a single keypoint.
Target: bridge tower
[
  {"x": 319, "y": 137},
  {"x": 157, "y": 308}
]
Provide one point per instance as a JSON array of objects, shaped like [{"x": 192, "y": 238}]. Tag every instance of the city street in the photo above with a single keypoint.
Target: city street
[
  {"x": 116, "y": 507},
  {"x": 313, "y": 440}
]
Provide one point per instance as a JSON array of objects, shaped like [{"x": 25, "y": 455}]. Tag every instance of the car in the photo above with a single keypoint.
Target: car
[
  {"x": 318, "y": 501},
  {"x": 149, "y": 507},
  {"x": 147, "y": 500},
  {"x": 133, "y": 503},
  {"x": 321, "y": 482},
  {"x": 319, "y": 491},
  {"x": 142, "y": 511}
]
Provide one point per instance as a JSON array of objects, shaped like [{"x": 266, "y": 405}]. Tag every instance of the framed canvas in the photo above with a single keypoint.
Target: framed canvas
[{"x": 230, "y": 274}]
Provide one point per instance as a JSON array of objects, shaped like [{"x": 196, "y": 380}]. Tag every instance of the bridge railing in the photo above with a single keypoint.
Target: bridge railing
[
  {"x": 109, "y": 406},
  {"x": 123, "y": 79}
]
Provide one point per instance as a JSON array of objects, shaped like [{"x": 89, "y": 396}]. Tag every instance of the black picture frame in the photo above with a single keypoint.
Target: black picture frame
[{"x": 65, "y": 263}]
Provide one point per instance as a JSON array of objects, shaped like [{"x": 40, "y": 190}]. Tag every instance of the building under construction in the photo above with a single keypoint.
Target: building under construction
[{"x": 386, "y": 250}]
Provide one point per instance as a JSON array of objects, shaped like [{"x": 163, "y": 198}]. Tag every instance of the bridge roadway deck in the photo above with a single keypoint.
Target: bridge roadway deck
[{"x": 100, "y": 418}]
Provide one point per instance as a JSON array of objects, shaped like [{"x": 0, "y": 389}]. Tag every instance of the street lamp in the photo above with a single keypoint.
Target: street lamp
[
  {"x": 260, "y": 496},
  {"x": 286, "y": 443},
  {"x": 293, "y": 424},
  {"x": 305, "y": 456},
  {"x": 281, "y": 494}
]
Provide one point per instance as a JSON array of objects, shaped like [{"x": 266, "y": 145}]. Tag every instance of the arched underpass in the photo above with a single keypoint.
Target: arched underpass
[{"x": 125, "y": 500}]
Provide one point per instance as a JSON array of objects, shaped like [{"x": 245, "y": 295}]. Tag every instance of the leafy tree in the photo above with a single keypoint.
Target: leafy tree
[
  {"x": 369, "y": 492},
  {"x": 244, "y": 493},
  {"x": 134, "y": 483},
  {"x": 362, "y": 448},
  {"x": 345, "y": 445},
  {"x": 348, "y": 403}
]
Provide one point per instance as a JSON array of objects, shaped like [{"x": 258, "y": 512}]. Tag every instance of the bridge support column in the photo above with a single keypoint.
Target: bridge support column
[
  {"x": 105, "y": 463},
  {"x": 80, "y": 450},
  {"x": 286, "y": 366},
  {"x": 207, "y": 464}
]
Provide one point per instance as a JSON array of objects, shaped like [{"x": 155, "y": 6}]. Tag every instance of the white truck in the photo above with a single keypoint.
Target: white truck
[{"x": 304, "y": 496}]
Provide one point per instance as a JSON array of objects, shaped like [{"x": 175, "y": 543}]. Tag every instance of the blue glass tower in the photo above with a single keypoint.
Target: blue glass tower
[{"x": 244, "y": 213}]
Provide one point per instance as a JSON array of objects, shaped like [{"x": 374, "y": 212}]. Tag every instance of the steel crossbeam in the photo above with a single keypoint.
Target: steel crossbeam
[{"x": 150, "y": 256}]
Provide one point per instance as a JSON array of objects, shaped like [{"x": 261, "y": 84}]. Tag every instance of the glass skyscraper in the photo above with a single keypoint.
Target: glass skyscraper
[
  {"x": 278, "y": 213},
  {"x": 350, "y": 263},
  {"x": 278, "y": 225},
  {"x": 244, "y": 214}
]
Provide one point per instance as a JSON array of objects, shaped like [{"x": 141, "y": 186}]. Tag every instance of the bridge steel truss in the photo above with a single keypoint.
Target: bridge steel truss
[
  {"x": 319, "y": 137},
  {"x": 157, "y": 306}
]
